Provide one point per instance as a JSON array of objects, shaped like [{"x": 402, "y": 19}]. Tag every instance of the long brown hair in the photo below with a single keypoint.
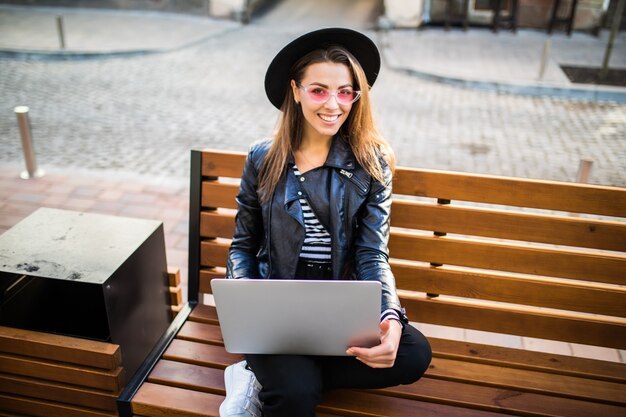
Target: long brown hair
[{"x": 367, "y": 144}]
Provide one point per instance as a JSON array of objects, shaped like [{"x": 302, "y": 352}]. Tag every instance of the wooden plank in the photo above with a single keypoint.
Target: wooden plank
[
  {"x": 60, "y": 372},
  {"x": 201, "y": 332},
  {"x": 60, "y": 348},
  {"x": 214, "y": 252},
  {"x": 221, "y": 163},
  {"x": 41, "y": 408},
  {"x": 560, "y": 263},
  {"x": 200, "y": 354},
  {"x": 549, "y": 195},
  {"x": 363, "y": 403},
  {"x": 160, "y": 400},
  {"x": 206, "y": 275},
  {"x": 219, "y": 194},
  {"x": 173, "y": 276},
  {"x": 528, "y": 381},
  {"x": 63, "y": 393},
  {"x": 176, "y": 295},
  {"x": 218, "y": 223},
  {"x": 188, "y": 376},
  {"x": 532, "y": 360},
  {"x": 505, "y": 401},
  {"x": 501, "y": 224},
  {"x": 175, "y": 310},
  {"x": 596, "y": 331},
  {"x": 592, "y": 298},
  {"x": 204, "y": 314}
]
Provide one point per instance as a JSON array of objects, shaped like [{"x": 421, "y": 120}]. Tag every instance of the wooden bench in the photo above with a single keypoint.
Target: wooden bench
[
  {"x": 49, "y": 375},
  {"x": 504, "y": 255}
]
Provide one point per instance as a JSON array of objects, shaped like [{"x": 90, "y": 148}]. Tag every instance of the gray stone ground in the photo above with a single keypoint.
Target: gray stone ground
[{"x": 143, "y": 114}]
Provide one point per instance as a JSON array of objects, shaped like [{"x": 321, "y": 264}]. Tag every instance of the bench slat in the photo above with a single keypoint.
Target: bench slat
[
  {"x": 525, "y": 359},
  {"x": 186, "y": 375},
  {"x": 218, "y": 223},
  {"x": 567, "y": 231},
  {"x": 160, "y": 400},
  {"x": 60, "y": 372},
  {"x": 478, "y": 254},
  {"x": 219, "y": 194},
  {"x": 529, "y": 381},
  {"x": 548, "y": 195},
  {"x": 60, "y": 348},
  {"x": 222, "y": 163},
  {"x": 550, "y": 229},
  {"x": 42, "y": 408},
  {"x": 203, "y": 313},
  {"x": 499, "y": 400},
  {"x": 46, "y": 390},
  {"x": 201, "y": 332},
  {"x": 200, "y": 354},
  {"x": 214, "y": 252},
  {"x": 539, "y": 292},
  {"x": 206, "y": 275},
  {"x": 585, "y": 266},
  {"x": 368, "y": 403},
  {"x": 516, "y": 320}
]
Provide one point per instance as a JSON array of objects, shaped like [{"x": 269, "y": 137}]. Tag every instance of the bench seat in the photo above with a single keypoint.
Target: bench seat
[{"x": 464, "y": 379}]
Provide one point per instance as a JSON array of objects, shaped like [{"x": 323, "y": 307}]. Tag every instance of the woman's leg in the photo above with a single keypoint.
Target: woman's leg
[
  {"x": 412, "y": 360},
  {"x": 292, "y": 385}
]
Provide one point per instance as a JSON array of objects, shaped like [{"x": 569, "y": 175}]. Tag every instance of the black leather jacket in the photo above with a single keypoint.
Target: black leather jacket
[{"x": 268, "y": 236}]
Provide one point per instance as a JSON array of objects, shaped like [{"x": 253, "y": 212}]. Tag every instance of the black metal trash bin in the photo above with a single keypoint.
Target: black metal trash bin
[{"x": 87, "y": 275}]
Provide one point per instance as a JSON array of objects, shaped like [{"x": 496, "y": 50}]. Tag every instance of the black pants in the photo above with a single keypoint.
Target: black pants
[{"x": 293, "y": 384}]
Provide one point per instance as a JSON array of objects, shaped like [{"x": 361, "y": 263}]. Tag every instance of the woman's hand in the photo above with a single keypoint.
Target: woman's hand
[{"x": 383, "y": 355}]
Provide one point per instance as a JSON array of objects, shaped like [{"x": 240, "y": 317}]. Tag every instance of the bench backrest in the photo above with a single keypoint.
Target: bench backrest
[{"x": 517, "y": 256}]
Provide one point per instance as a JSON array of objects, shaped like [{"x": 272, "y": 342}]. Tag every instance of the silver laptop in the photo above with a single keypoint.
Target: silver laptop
[{"x": 296, "y": 316}]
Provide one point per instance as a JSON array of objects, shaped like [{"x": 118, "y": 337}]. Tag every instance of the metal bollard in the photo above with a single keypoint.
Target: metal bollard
[
  {"x": 27, "y": 145},
  {"x": 584, "y": 170},
  {"x": 61, "y": 31},
  {"x": 545, "y": 56}
]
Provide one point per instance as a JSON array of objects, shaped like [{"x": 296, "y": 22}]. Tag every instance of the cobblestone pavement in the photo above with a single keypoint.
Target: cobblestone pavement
[{"x": 143, "y": 114}]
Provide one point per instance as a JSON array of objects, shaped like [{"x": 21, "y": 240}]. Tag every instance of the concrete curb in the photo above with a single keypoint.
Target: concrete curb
[
  {"x": 588, "y": 92},
  {"x": 40, "y": 55}
]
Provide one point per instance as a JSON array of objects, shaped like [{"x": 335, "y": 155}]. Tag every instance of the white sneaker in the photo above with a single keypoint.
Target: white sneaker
[{"x": 242, "y": 392}]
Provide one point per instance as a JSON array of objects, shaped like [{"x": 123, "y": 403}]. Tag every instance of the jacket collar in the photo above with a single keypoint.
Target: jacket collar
[{"x": 339, "y": 156}]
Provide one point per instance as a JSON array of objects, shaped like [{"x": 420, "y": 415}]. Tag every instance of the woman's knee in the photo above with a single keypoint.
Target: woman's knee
[{"x": 414, "y": 355}]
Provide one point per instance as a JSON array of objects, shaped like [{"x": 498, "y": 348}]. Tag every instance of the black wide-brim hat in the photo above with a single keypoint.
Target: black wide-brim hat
[{"x": 277, "y": 77}]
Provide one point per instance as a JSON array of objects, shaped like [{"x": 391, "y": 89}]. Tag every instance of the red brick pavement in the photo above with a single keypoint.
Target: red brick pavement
[{"x": 99, "y": 193}]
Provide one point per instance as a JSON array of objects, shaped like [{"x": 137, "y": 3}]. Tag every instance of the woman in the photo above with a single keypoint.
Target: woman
[{"x": 314, "y": 203}]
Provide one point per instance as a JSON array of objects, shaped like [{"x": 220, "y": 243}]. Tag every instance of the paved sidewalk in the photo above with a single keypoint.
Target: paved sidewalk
[
  {"x": 527, "y": 62},
  {"x": 33, "y": 31},
  {"x": 477, "y": 58},
  {"x": 114, "y": 134}
]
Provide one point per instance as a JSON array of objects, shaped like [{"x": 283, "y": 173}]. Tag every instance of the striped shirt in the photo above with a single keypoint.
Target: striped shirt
[{"x": 317, "y": 242}]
